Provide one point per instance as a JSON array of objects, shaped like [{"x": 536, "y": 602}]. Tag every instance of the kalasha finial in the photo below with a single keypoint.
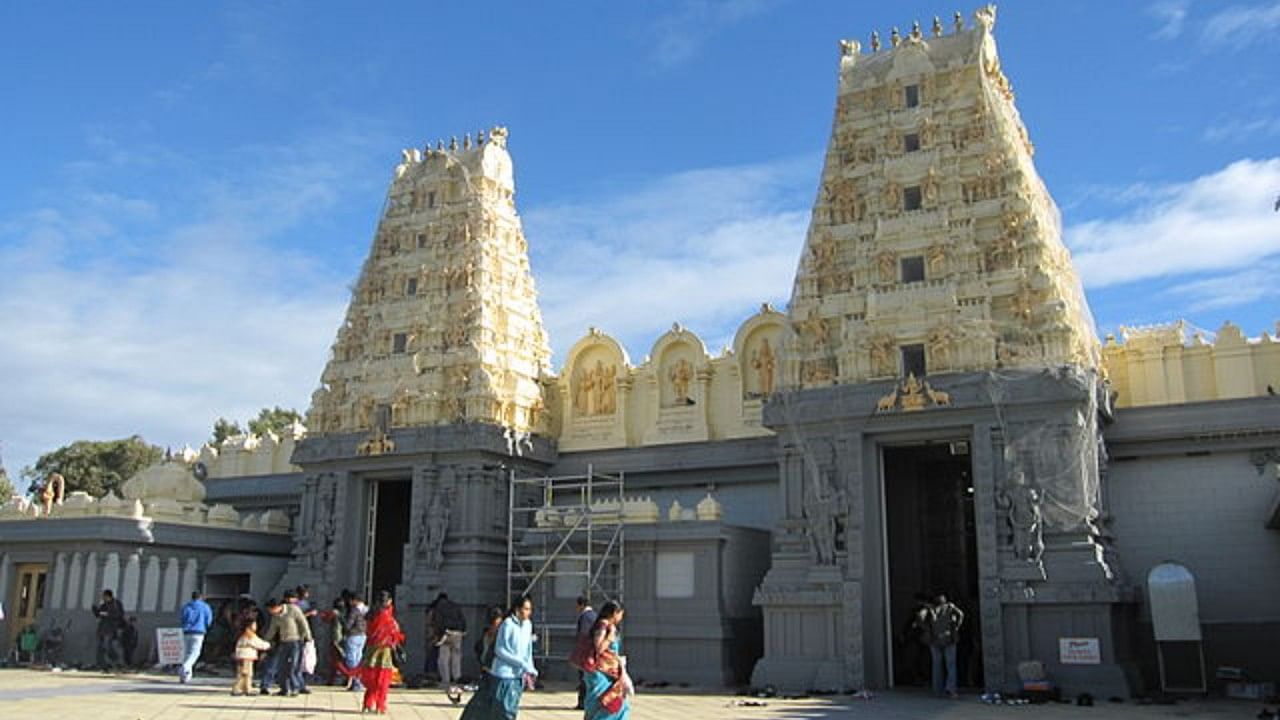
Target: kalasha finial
[
  {"x": 466, "y": 141},
  {"x": 959, "y": 22},
  {"x": 937, "y": 26},
  {"x": 875, "y": 41},
  {"x": 439, "y": 146},
  {"x": 479, "y": 138},
  {"x": 895, "y": 37},
  {"x": 915, "y": 30}
]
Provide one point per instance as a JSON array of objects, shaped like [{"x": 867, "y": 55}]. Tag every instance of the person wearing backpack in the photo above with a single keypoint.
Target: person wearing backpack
[{"x": 945, "y": 620}]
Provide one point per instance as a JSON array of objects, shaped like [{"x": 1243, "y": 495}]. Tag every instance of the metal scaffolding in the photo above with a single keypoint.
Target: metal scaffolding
[{"x": 564, "y": 539}]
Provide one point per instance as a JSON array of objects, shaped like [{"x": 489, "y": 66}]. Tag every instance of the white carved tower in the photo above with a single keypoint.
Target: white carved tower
[
  {"x": 443, "y": 324},
  {"x": 934, "y": 246}
]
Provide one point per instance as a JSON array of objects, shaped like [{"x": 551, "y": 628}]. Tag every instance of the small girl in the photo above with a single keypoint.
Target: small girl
[{"x": 247, "y": 647}]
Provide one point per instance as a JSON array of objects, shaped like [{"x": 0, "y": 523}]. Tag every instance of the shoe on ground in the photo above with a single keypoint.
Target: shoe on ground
[
  {"x": 264, "y": 691},
  {"x": 304, "y": 691},
  {"x": 283, "y": 693}
]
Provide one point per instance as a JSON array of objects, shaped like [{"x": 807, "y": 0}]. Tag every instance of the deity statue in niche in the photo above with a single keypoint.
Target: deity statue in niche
[
  {"x": 764, "y": 362},
  {"x": 680, "y": 375},
  {"x": 824, "y": 508},
  {"x": 886, "y": 264},
  {"x": 936, "y": 257},
  {"x": 881, "y": 352},
  {"x": 433, "y": 528},
  {"x": 584, "y": 392},
  {"x": 939, "y": 342},
  {"x": 607, "y": 387},
  {"x": 1020, "y": 503}
]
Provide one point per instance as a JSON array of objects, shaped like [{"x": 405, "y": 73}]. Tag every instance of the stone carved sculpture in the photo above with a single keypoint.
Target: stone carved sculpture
[
  {"x": 887, "y": 266},
  {"x": 1020, "y": 503},
  {"x": 881, "y": 352},
  {"x": 433, "y": 527},
  {"x": 764, "y": 362},
  {"x": 55, "y": 487},
  {"x": 681, "y": 374},
  {"x": 824, "y": 508},
  {"x": 939, "y": 343}
]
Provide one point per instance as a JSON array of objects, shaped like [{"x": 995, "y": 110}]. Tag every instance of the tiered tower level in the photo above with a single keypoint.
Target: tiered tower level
[
  {"x": 934, "y": 245},
  {"x": 443, "y": 324}
]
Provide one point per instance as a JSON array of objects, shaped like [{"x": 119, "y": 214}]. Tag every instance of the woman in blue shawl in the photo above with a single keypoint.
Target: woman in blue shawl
[{"x": 504, "y": 681}]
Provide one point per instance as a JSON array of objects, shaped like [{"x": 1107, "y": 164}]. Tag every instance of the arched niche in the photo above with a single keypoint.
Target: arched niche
[
  {"x": 678, "y": 357},
  {"x": 591, "y": 374},
  {"x": 758, "y": 348}
]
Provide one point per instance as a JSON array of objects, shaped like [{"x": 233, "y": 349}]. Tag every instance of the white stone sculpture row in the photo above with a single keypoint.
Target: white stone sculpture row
[{"x": 635, "y": 510}]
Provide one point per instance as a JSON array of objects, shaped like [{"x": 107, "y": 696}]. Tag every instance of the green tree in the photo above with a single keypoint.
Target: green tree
[
  {"x": 7, "y": 490},
  {"x": 96, "y": 467},
  {"x": 273, "y": 420},
  {"x": 223, "y": 429}
]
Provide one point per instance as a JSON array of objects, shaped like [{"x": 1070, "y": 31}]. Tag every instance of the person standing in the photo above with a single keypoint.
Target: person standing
[
  {"x": 945, "y": 620},
  {"x": 384, "y": 637},
  {"x": 484, "y": 645},
  {"x": 129, "y": 640},
  {"x": 586, "y": 620},
  {"x": 248, "y": 645},
  {"x": 609, "y": 688},
  {"x": 110, "y": 614},
  {"x": 196, "y": 617},
  {"x": 512, "y": 669},
  {"x": 288, "y": 630},
  {"x": 355, "y": 628},
  {"x": 448, "y": 628}
]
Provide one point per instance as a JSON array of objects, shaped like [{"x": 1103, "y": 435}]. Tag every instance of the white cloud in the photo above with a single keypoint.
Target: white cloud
[
  {"x": 679, "y": 34},
  {"x": 1217, "y": 222},
  {"x": 1241, "y": 25},
  {"x": 704, "y": 248},
  {"x": 1238, "y": 130},
  {"x": 121, "y": 315},
  {"x": 1246, "y": 287},
  {"x": 1172, "y": 15}
]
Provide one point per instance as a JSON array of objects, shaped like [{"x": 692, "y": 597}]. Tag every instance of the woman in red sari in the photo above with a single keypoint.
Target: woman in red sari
[{"x": 384, "y": 636}]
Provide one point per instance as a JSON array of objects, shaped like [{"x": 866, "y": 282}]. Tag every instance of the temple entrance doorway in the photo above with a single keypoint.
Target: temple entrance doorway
[
  {"x": 28, "y": 597},
  {"x": 931, "y": 544},
  {"x": 388, "y": 523}
]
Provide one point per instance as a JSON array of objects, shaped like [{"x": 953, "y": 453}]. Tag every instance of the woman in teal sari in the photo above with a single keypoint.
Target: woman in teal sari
[{"x": 609, "y": 690}]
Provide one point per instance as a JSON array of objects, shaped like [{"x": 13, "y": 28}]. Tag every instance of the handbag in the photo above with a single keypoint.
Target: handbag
[
  {"x": 309, "y": 657},
  {"x": 583, "y": 656}
]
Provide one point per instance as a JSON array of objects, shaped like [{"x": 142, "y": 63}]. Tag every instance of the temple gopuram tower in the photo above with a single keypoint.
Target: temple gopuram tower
[
  {"x": 939, "y": 425},
  {"x": 432, "y": 394}
]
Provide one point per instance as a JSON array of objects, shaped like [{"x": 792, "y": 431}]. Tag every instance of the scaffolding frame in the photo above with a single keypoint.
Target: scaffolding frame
[{"x": 564, "y": 531}]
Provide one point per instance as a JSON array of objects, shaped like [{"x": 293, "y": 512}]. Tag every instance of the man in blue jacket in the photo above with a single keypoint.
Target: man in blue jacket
[{"x": 197, "y": 616}]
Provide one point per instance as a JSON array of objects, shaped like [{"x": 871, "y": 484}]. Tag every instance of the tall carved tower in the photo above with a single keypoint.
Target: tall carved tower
[
  {"x": 443, "y": 324},
  {"x": 939, "y": 425},
  {"x": 933, "y": 246}
]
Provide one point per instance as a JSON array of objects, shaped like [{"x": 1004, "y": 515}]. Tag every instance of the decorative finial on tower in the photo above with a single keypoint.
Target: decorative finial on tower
[
  {"x": 875, "y": 41},
  {"x": 453, "y": 143},
  {"x": 439, "y": 145},
  {"x": 466, "y": 141},
  {"x": 849, "y": 48},
  {"x": 937, "y": 26},
  {"x": 479, "y": 138},
  {"x": 895, "y": 37},
  {"x": 959, "y": 22},
  {"x": 915, "y": 30}
]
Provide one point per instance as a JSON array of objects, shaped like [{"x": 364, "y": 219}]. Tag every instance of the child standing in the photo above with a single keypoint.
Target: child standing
[{"x": 247, "y": 647}]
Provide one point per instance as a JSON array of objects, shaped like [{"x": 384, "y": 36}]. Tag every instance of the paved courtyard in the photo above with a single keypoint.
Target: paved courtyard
[{"x": 35, "y": 695}]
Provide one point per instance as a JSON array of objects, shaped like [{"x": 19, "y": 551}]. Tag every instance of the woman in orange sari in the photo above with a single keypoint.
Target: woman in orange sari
[
  {"x": 609, "y": 690},
  {"x": 383, "y": 637}
]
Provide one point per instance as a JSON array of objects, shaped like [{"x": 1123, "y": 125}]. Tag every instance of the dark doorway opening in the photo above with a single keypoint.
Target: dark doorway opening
[
  {"x": 932, "y": 548},
  {"x": 391, "y": 503}
]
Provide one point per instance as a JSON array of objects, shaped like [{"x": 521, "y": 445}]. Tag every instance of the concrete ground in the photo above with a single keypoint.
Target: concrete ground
[{"x": 42, "y": 695}]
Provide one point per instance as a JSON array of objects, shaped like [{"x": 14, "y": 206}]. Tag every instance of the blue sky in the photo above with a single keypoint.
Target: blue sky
[{"x": 187, "y": 189}]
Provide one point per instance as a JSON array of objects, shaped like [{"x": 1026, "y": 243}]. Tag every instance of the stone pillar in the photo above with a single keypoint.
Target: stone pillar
[{"x": 59, "y": 582}]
